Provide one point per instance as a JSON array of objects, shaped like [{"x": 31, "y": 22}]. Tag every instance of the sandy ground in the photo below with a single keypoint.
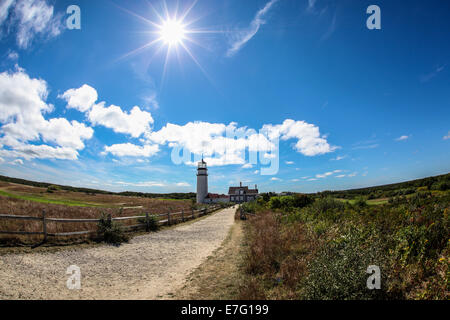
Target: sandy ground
[
  {"x": 152, "y": 266},
  {"x": 220, "y": 276}
]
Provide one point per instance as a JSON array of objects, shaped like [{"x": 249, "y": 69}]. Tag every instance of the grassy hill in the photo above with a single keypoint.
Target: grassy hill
[{"x": 52, "y": 187}]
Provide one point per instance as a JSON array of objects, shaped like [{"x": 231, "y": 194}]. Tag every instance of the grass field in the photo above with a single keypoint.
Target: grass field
[
  {"x": 315, "y": 247},
  {"x": 17, "y": 199},
  {"x": 43, "y": 199},
  {"x": 369, "y": 202}
]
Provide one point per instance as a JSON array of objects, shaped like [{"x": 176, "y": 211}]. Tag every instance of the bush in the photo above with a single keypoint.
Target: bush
[
  {"x": 274, "y": 203},
  {"x": 110, "y": 231},
  {"x": 360, "y": 202},
  {"x": 52, "y": 188},
  {"x": 338, "y": 271},
  {"x": 441, "y": 186},
  {"x": 325, "y": 204},
  {"x": 151, "y": 222},
  {"x": 302, "y": 200}
]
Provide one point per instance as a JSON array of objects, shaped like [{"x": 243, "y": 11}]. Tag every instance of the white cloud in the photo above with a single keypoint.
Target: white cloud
[
  {"x": 30, "y": 18},
  {"x": 326, "y": 174},
  {"x": 131, "y": 150},
  {"x": 275, "y": 179},
  {"x": 142, "y": 184},
  {"x": 289, "y": 162},
  {"x": 256, "y": 172},
  {"x": 81, "y": 99},
  {"x": 12, "y": 55},
  {"x": 241, "y": 38},
  {"x": 312, "y": 179},
  {"x": 135, "y": 123},
  {"x": 353, "y": 174},
  {"x": 17, "y": 162},
  {"x": 220, "y": 144},
  {"x": 22, "y": 109},
  {"x": 447, "y": 136},
  {"x": 402, "y": 138},
  {"x": 30, "y": 151},
  {"x": 182, "y": 184},
  {"x": 338, "y": 158},
  {"x": 431, "y": 75},
  {"x": 309, "y": 140},
  {"x": 5, "y": 5},
  {"x": 340, "y": 176},
  {"x": 295, "y": 180},
  {"x": 366, "y": 146},
  {"x": 311, "y": 4}
]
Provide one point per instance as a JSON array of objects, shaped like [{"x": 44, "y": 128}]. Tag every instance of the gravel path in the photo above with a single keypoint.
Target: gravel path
[{"x": 152, "y": 266}]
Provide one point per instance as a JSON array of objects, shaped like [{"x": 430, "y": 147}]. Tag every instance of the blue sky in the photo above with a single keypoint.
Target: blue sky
[{"x": 347, "y": 106}]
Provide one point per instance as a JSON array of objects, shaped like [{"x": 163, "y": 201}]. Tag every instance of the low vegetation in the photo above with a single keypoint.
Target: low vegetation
[
  {"x": 19, "y": 200},
  {"x": 435, "y": 185},
  {"x": 50, "y": 188},
  {"x": 318, "y": 247},
  {"x": 110, "y": 231}
]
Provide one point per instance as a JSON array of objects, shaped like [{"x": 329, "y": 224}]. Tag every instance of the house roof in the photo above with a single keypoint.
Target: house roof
[{"x": 232, "y": 190}]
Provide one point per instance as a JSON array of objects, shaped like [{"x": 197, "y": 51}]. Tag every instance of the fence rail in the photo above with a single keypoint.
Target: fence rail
[{"x": 163, "y": 219}]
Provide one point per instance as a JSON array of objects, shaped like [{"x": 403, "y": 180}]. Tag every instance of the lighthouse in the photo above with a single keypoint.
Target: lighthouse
[{"x": 202, "y": 181}]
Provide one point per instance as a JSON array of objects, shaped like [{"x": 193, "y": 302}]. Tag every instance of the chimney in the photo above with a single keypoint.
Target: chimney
[
  {"x": 240, "y": 184},
  {"x": 256, "y": 187}
]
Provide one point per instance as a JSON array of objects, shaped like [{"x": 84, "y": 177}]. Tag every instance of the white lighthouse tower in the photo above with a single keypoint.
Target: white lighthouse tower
[{"x": 202, "y": 181}]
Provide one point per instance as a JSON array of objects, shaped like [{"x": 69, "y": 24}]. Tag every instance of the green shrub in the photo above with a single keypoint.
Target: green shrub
[
  {"x": 360, "y": 202},
  {"x": 151, "y": 222},
  {"x": 52, "y": 188},
  {"x": 338, "y": 271},
  {"x": 325, "y": 204},
  {"x": 110, "y": 231},
  {"x": 274, "y": 203}
]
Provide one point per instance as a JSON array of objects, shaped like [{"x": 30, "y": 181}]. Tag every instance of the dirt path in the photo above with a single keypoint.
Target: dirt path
[
  {"x": 220, "y": 276},
  {"x": 152, "y": 266}
]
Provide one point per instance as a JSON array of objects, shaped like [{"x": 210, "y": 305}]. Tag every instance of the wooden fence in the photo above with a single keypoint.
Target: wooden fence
[{"x": 162, "y": 219}]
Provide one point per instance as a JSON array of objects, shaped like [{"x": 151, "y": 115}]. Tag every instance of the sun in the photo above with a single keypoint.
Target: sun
[{"x": 172, "y": 32}]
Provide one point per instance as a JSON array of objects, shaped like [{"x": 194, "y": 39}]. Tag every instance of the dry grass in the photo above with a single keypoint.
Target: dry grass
[
  {"x": 31, "y": 208},
  {"x": 276, "y": 258}
]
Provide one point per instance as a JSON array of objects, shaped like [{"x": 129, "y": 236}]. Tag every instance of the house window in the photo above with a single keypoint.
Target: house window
[
  {"x": 242, "y": 198},
  {"x": 241, "y": 191},
  {"x": 232, "y": 198}
]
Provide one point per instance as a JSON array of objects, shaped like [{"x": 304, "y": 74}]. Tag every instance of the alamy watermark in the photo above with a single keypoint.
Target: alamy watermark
[
  {"x": 374, "y": 280},
  {"x": 74, "y": 281},
  {"x": 240, "y": 147},
  {"x": 374, "y": 20},
  {"x": 74, "y": 19}
]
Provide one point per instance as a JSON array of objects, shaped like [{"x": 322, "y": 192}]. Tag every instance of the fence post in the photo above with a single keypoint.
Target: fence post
[
  {"x": 168, "y": 218},
  {"x": 44, "y": 225},
  {"x": 147, "y": 222},
  {"x": 192, "y": 213},
  {"x": 182, "y": 215}
]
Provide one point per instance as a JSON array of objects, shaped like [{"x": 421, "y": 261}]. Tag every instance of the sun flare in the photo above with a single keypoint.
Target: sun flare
[{"x": 172, "y": 32}]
